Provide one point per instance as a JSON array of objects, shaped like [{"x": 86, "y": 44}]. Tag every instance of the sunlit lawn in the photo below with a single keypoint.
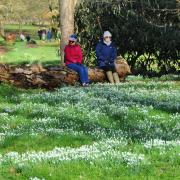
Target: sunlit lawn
[
  {"x": 24, "y": 27},
  {"x": 19, "y": 53}
]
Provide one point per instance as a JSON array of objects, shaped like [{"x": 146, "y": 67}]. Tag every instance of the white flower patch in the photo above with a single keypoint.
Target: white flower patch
[
  {"x": 5, "y": 127},
  {"x": 8, "y": 134},
  {"x": 51, "y": 125},
  {"x": 132, "y": 159},
  {"x": 64, "y": 132},
  {"x": 99, "y": 150},
  {"x": 160, "y": 144},
  {"x": 2, "y": 137},
  {"x": 4, "y": 115},
  {"x": 36, "y": 178}
]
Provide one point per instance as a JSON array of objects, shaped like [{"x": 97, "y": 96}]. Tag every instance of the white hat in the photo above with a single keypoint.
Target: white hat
[{"x": 107, "y": 33}]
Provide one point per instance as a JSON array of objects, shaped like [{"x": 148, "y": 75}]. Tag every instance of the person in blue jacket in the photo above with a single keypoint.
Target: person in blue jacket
[
  {"x": 49, "y": 35},
  {"x": 106, "y": 54}
]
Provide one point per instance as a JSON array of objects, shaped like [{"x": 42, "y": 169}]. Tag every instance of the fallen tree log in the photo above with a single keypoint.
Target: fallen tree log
[{"x": 37, "y": 76}]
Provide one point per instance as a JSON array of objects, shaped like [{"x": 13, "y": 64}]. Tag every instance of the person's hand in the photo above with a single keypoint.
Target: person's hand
[
  {"x": 106, "y": 62},
  {"x": 112, "y": 61},
  {"x": 78, "y": 63}
]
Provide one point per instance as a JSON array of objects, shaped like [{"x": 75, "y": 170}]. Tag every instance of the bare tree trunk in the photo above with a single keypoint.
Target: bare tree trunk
[
  {"x": 67, "y": 9},
  {"x": 2, "y": 33},
  {"x": 20, "y": 27}
]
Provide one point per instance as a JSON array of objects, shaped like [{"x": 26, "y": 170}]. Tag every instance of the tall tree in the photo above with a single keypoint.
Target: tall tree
[
  {"x": 67, "y": 10},
  {"x": 2, "y": 12}
]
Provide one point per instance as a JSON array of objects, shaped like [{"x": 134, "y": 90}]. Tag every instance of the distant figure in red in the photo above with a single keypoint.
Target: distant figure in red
[{"x": 74, "y": 59}]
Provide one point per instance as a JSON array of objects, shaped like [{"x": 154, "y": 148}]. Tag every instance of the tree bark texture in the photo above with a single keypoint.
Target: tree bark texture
[
  {"x": 67, "y": 9},
  {"x": 37, "y": 76}
]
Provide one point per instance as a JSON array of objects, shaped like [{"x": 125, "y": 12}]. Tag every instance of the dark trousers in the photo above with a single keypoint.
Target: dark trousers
[{"x": 108, "y": 68}]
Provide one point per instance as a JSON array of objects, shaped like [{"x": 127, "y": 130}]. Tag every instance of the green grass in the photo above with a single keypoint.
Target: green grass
[
  {"x": 46, "y": 142},
  {"x": 20, "y": 53},
  {"x": 102, "y": 131},
  {"x": 16, "y": 27},
  {"x": 27, "y": 29}
]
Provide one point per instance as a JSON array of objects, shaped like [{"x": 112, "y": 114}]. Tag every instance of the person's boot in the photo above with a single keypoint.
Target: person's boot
[
  {"x": 110, "y": 76},
  {"x": 116, "y": 77}
]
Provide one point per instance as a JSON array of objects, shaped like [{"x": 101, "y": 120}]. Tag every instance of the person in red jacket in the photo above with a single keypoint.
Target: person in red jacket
[{"x": 74, "y": 59}]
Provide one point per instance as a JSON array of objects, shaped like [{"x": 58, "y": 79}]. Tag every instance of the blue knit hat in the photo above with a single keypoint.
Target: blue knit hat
[{"x": 73, "y": 37}]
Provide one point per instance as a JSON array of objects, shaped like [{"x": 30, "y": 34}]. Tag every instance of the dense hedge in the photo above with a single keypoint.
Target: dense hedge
[{"x": 147, "y": 34}]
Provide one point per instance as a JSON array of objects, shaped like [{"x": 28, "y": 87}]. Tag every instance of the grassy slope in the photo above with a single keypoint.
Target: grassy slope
[
  {"x": 26, "y": 29},
  {"x": 16, "y": 27},
  {"x": 20, "y": 53},
  {"x": 72, "y": 117}
]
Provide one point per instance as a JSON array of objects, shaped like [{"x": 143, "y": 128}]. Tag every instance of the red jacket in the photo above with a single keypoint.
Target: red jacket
[{"x": 73, "y": 54}]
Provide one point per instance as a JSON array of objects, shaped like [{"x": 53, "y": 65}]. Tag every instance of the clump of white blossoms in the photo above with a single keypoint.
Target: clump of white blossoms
[
  {"x": 132, "y": 159},
  {"x": 103, "y": 150},
  {"x": 36, "y": 178},
  {"x": 158, "y": 143}
]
